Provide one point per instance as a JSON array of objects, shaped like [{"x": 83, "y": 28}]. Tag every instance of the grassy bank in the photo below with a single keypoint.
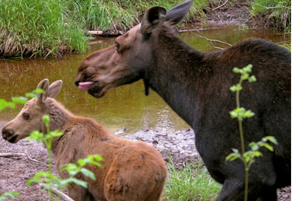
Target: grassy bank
[
  {"x": 271, "y": 13},
  {"x": 41, "y": 28}
]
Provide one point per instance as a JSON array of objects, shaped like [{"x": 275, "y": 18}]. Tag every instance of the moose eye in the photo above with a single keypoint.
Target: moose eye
[
  {"x": 117, "y": 45},
  {"x": 25, "y": 116}
]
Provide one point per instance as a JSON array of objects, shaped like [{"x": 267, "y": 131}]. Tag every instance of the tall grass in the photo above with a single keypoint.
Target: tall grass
[
  {"x": 38, "y": 28},
  {"x": 192, "y": 183},
  {"x": 277, "y": 12}
]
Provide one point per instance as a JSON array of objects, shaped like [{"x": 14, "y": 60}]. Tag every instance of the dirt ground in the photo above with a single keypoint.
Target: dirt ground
[{"x": 15, "y": 171}]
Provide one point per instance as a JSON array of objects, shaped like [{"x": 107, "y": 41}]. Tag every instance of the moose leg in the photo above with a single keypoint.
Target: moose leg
[
  {"x": 233, "y": 190},
  {"x": 261, "y": 181},
  {"x": 270, "y": 194}
]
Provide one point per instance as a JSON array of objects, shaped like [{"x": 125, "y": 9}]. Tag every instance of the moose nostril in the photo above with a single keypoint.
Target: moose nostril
[{"x": 6, "y": 133}]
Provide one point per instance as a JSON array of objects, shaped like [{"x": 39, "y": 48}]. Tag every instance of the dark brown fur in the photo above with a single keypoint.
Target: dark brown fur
[{"x": 196, "y": 86}]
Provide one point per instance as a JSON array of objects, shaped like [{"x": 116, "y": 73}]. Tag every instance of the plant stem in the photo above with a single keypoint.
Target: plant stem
[
  {"x": 49, "y": 147},
  {"x": 246, "y": 168}
]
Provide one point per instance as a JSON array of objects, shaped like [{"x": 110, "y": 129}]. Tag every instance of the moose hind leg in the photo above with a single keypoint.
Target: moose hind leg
[
  {"x": 233, "y": 190},
  {"x": 269, "y": 194}
]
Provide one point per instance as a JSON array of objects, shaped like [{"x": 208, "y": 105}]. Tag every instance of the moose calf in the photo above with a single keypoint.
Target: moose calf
[{"x": 131, "y": 171}]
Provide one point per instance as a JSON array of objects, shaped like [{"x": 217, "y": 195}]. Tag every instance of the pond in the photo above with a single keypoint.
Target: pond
[{"x": 124, "y": 109}]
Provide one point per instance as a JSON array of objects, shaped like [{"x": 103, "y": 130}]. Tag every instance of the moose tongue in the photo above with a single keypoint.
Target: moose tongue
[{"x": 84, "y": 86}]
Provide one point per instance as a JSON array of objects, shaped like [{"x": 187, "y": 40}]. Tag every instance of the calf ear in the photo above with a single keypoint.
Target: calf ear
[
  {"x": 178, "y": 13},
  {"x": 153, "y": 18},
  {"x": 44, "y": 85},
  {"x": 55, "y": 88}
]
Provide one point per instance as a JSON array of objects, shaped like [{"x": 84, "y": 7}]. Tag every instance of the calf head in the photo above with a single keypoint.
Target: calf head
[
  {"x": 30, "y": 117},
  {"x": 125, "y": 61}
]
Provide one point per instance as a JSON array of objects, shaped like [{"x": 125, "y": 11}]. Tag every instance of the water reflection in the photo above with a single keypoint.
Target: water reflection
[{"x": 125, "y": 107}]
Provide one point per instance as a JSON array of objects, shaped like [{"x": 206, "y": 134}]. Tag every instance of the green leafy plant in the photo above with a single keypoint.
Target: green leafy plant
[
  {"x": 9, "y": 194},
  {"x": 15, "y": 100},
  {"x": 247, "y": 157}
]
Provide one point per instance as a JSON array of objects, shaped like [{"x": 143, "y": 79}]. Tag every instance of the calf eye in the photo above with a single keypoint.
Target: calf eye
[{"x": 25, "y": 116}]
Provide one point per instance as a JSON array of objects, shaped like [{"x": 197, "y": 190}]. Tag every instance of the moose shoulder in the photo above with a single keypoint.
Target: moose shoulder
[{"x": 196, "y": 86}]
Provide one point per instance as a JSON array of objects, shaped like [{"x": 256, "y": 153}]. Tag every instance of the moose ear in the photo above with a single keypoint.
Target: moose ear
[
  {"x": 55, "y": 88},
  {"x": 153, "y": 18},
  {"x": 44, "y": 85},
  {"x": 178, "y": 13}
]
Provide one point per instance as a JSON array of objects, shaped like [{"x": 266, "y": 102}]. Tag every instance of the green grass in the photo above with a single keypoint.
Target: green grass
[
  {"x": 41, "y": 28},
  {"x": 192, "y": 183},
  {"x": 38, "y": 28},
  {"x": 277, "y": 11}
]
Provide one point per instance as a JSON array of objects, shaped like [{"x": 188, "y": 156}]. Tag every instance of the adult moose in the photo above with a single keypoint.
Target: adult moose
[{"x": 196, "y": 86}]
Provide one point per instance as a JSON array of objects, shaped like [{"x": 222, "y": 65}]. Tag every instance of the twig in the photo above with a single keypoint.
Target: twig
[
  {"x": 220, "y": 5},
  {"x": 58, "y": 193},
  {"x": 212, "y": 40},
  {"x": 34, "y": 160},
  {"x": 10, "y": 155}
]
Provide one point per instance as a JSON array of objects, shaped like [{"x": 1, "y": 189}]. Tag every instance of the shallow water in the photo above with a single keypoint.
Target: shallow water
[{"x": 124, "y": 109}]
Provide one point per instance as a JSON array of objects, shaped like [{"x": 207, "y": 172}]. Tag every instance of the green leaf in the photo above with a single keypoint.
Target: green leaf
[
  {"x": 36, "y": 135},
  {"x": 244, "y": 76},
  {"x": 232, "y": 157},
  {"x": 233, "y": 88},
  {"x": 271, "y": 139},
  {"x": 269, "y": 147},
  {"x": 46, "y": 119},
  {"x": 88, "y": 173},
  {"x": 11, "y": 194},
  {"x": 252, "y": 79},
  {"x": 4, "y": 104},
  {"x": 248, "y": 114},
  {"x": 21, "y": 100},
  {"x": 56, "y": 133},
  {"x": 30, "y": 95},
  {"x": 254, "y": 147},
  {"x": 78, "y": 182},
  {"x": 236, "y": 70},
  {"x": 82, "y": 162},
  {"x": 233, "y": 114},
  {"x": 38, "y": 91}
]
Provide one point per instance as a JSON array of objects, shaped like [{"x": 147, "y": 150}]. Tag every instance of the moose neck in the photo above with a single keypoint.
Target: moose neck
[
  {"x": 177, "y": 75},
  {"x": 60, "y": 117}
]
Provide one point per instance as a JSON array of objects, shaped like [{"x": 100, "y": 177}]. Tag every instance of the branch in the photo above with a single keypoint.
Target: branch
[
  {"x": 58, "y": 193},
  {"x": 220, "y": 5},
  {"x": 212, "y": 40},
  {"x": 10, "y": 155}
]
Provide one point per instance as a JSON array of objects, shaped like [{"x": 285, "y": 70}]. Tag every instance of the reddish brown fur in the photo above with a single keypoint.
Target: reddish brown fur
[{"x": 131, "y": 171}]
